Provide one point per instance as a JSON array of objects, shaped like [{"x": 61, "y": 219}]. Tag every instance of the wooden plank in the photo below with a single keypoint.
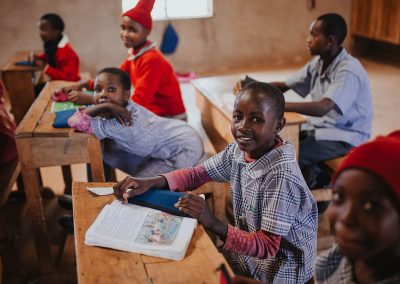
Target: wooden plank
[
  {"x": 94, "y": 264},
  {"x": 198, "y": 266},
  {"x": 113, "y": 266},
  {"x": 8, "y": 176},
  {"x": 47, "y": 152},
  {"x": 333, "y": 164},
  {"x": 322, "y": 194}
]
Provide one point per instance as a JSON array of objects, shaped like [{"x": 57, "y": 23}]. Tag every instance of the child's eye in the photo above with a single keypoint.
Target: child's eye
[
  {"x": 111, "y": 89},
  {"x": 131, "y": 29},
  {"x": 372, "y": 206},
  {"x": 257, "y": 119},
  {"x": 236, "y": 118},
  {"x": 337, "y": 197},
  {"x": 97, "y": 90}
]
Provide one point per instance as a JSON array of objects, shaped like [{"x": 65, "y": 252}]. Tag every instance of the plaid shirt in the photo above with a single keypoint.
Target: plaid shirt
[
  {"x": 332, "y": 267},
  {"x": 270, "y": 194}
]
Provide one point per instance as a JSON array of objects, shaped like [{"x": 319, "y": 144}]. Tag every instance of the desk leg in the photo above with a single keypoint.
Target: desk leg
[
  {"x": 96, "y": 159},
  {"x": 34, "y": 200}
]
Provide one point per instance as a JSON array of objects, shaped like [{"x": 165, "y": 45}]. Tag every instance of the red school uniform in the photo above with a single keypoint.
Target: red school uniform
[
  {"x": 156, "y": 86},
  {"x": 67, "y": 62}
]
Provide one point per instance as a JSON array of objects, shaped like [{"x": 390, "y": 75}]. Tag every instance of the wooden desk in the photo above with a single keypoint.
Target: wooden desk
[
  {"x": 41, "y": 145},
  {"x": 215, "y": 99},
  {"x": 18, "y": 83},
  {"x": 101, "y": 265}
]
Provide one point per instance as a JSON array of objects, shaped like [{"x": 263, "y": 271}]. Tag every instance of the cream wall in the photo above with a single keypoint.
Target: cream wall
[{"x": 241, "y": 35}]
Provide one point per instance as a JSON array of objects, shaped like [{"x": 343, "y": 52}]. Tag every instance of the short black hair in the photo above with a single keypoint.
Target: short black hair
[
  {"x": 55, "y": 21},
  {"x": 334, "y": 24},
  {"x": 274, "y": 95},
  {"x": 123, "y": 76}
]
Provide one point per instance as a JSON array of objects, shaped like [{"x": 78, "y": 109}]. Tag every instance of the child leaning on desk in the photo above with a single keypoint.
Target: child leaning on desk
[
  {"x": 135, "y": 140},
  {"x": 153, "y": 78},
  {"x": 274, "y": 238}
]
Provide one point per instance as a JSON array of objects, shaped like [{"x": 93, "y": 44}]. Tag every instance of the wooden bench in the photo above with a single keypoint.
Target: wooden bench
[
  {"x": 332, "y": 165},
  {"x": 8, "y": 176}
]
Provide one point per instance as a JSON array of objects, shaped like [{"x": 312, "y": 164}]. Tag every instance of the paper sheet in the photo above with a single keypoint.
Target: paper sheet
[{"x": 101, "y": 190}]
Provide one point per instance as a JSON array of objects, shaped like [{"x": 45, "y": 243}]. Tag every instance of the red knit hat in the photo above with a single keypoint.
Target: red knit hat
[
  {"x": 380, "y": 156},
  {"x": 141, "y": 13}
]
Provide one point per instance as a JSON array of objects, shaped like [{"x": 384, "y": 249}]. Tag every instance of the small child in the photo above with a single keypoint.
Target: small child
[
  {"x": 136, "y": 141},
  {"x": 59, "y": 61},
  {"x": 365, "y": 216},
  {"x": 274, "y": 238},
  {"x": 153, "y": 78}
]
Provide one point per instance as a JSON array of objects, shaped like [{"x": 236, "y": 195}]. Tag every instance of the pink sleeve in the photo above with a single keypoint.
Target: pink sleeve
[
  {"x": 80, "y": 121},
  {"x": 257, "y": 244},
  {"x": 187, "y": 179}
]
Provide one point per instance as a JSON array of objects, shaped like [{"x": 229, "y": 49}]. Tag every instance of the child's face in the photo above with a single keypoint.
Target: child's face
[
  {"x": 109, "y": 89},
  {"x": 133, "y": 34},
  {"x": 317, "y": 42},
  {"x": 364, "y": 218},
  {"x": 47, "y": 32},
  {"x": 254, "y": 124}
]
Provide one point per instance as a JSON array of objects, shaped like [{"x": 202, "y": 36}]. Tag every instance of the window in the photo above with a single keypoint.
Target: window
[{"x": 176, "y": 9}]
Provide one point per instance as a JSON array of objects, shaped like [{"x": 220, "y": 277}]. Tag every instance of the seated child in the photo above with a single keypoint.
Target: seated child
[
  {"x": 59, "y": 61},
  {"x": 341, "y": 107},
  {"x": 274, "y": 238},
  {"x": 365, "y": 216},
  {"x": 153, "y": 78},
  {"x": 136, "y": 140}
]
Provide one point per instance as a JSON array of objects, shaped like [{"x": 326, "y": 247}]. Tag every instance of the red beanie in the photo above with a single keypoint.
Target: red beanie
[
  {"x": 380, "y": 156},
  {"x": 141, "y": 13}
]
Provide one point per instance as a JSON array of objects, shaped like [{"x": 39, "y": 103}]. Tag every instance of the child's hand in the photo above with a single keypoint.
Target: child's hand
[
  {"x": 80, "y": 98},
  {"x": 68, "y": 89},
  {"x": 120, "y": 113},
  {"x": 39, "y": 62},
  {"x": 131, "y": 186},
  {"x": 196, "y": 207},
  {"x": 238, "y": 87}
]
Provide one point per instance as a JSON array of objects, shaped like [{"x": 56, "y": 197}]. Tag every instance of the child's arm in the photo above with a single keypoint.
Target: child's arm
[
  {"x": 118, "y": 112},
  {"x": 131, "y": 186},
  {"x": 257, "y": 244},
  {"x": 187, "y": 179},
  {"x": 67, "y": 69},
  {"x": 80, "y": 98},
  {"x": 318, "y": 109}
]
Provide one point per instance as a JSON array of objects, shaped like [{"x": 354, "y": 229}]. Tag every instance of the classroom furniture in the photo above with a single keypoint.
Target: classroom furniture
[
  {"x": 376, "y": 19},
  {"x": 41, "y": 145},
  {"x": 214, "y": 98},
  {"x": 103, "y": 265},
  {"x": 18, "y": 83}
]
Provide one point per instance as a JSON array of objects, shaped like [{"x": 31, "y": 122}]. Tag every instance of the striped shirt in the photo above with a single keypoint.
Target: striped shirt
[
  {"x": 270, "y": 194},
  {"x": 333, "y": 268}
]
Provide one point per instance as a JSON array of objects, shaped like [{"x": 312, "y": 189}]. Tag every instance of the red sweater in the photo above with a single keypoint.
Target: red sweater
[
  {"x": 155, "y": 83},
  {"x": 67, "y": 62}
]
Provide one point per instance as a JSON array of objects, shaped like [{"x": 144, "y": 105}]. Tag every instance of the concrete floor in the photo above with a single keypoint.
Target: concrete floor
[{"x": 384, "y": 80}]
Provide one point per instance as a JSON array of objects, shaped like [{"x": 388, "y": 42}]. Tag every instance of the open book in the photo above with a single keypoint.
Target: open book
[{"x": 143, "y": 230}]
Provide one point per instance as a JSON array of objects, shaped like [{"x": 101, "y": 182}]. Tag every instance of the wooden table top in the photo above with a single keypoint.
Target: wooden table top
[
  {"x": 19, "y": 56},
  {"x": 218, "y": 90},
  {"x": 39, "y": 120},
  {"x": 102, "y": 265}
]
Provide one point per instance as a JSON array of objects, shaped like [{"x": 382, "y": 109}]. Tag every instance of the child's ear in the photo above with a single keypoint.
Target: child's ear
[
  {"x": 280, "y": 124},
  {"x": 330, "y": 40}
]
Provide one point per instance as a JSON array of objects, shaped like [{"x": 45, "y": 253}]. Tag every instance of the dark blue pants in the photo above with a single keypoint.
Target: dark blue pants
[{"x": 312, "y": 152}]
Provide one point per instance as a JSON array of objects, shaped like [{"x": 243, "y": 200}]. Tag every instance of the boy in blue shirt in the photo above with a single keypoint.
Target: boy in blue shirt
[{"x": 340, "y": 109}]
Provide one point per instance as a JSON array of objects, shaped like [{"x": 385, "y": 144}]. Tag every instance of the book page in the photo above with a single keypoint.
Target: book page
[{"x": 143, "y": 230}]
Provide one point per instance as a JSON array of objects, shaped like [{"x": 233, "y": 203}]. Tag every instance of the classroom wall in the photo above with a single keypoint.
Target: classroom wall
[{"x": 242, "y": 34}]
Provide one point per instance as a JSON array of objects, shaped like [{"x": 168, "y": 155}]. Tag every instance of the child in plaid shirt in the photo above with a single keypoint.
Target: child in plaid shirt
[{"x": 274, "y": 238}]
